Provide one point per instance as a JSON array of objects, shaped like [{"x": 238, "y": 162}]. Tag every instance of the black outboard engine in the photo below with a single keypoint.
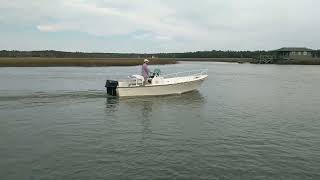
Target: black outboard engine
[{"x": 111, "y": 87}]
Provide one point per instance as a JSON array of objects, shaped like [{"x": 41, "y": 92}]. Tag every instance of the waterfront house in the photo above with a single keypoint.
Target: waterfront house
[{"x": 293, "y": 53}]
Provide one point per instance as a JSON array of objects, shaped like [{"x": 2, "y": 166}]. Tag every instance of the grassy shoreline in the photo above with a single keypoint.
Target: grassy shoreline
[
  {"x": 85, "y": 62},
  {"x": 315, "y": 61},
  {"x": 91, "y": 62},
  {"x": 231, "y": 60}
]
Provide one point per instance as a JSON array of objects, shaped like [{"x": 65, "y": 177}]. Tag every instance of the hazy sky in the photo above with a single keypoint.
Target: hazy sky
[{"x": 158, "y": 25}]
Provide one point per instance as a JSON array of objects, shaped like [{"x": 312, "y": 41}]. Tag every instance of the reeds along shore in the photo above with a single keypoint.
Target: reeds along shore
[
  {"x": 89, "y": 62},
  {"x": 85, "y": 62}
]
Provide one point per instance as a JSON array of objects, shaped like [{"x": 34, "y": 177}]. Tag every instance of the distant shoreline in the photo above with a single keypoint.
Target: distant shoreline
[
  {"x": 101, "y": 62},
  {"x": 92, "y": 62},
  {"x": 82, "y": 62}
]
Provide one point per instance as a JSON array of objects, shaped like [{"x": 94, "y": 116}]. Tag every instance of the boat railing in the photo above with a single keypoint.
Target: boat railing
[
  {"x": 136, "y": 80},
  {"x": 187, "y": 73}
]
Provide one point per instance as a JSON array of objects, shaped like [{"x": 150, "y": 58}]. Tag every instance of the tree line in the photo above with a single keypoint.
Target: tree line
[{"x": 197, "y": 54}]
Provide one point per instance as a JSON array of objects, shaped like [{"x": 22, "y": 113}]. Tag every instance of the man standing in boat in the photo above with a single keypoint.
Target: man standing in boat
[{"x": 145, "y": 70}]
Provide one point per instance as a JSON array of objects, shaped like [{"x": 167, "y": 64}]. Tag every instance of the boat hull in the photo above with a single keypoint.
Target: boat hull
[{"x": 158, "y": 90}]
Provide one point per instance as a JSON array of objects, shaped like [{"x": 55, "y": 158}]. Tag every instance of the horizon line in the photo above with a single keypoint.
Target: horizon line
[{"x": 92, "y": 52}]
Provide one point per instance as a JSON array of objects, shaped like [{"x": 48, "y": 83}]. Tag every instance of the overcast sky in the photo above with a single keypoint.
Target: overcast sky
[{"x": 146, "y": 26}]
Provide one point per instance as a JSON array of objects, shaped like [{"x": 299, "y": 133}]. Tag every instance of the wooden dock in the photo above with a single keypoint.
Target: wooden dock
[{"x": 266, "y": 59}]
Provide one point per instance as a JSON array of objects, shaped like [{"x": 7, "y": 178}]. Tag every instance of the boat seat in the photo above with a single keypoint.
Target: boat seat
[
  {"x": 138, "y": 79},
  {"x": 136, "y": 76}
]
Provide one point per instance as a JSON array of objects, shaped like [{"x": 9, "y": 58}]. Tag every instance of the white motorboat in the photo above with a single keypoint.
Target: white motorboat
[{"x": 176, "y": 83}]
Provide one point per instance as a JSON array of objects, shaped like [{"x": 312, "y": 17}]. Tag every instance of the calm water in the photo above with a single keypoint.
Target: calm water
[{"x": 246, "y": 122}]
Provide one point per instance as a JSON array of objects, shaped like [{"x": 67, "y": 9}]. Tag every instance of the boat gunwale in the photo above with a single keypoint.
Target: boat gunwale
[
  {"x": 201, "y": 72},
  {"x": 149, "y": 86}
]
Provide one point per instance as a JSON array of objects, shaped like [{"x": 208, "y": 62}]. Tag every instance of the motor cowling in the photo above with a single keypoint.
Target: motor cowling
[{"x": 111, "y": 87}]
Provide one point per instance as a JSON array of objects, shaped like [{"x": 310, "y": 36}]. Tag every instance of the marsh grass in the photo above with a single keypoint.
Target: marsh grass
[
  {"x": 86, "y": 62},
  {"x": 301, "y": 61}
]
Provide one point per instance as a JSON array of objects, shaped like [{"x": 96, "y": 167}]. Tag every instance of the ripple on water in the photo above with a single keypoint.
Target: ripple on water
[{"x": 246, "y": 122}]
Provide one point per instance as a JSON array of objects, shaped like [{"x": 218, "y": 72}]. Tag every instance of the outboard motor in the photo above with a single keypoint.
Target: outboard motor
[{"x": 111, "y": 87}]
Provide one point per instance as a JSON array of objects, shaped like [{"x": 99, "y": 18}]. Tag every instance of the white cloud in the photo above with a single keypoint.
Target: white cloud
[
  {"x": 179, "y": 25},
  {"x": 50, "y": 28}
]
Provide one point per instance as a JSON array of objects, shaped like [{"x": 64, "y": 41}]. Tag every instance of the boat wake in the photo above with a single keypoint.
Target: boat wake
[
  {"x": 56, "y": 94},
  {"x": 19, "y": 100}
]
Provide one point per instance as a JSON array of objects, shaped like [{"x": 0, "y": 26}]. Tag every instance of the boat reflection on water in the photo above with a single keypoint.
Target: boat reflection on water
[
  {"x": 146, "y": 105},
  {"x": 144, "y": 114}
]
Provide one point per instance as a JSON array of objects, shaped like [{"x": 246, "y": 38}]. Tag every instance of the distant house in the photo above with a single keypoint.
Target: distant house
[
  {"x": 290, "y": 55},
  {"x": 294, "y": 53}
]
